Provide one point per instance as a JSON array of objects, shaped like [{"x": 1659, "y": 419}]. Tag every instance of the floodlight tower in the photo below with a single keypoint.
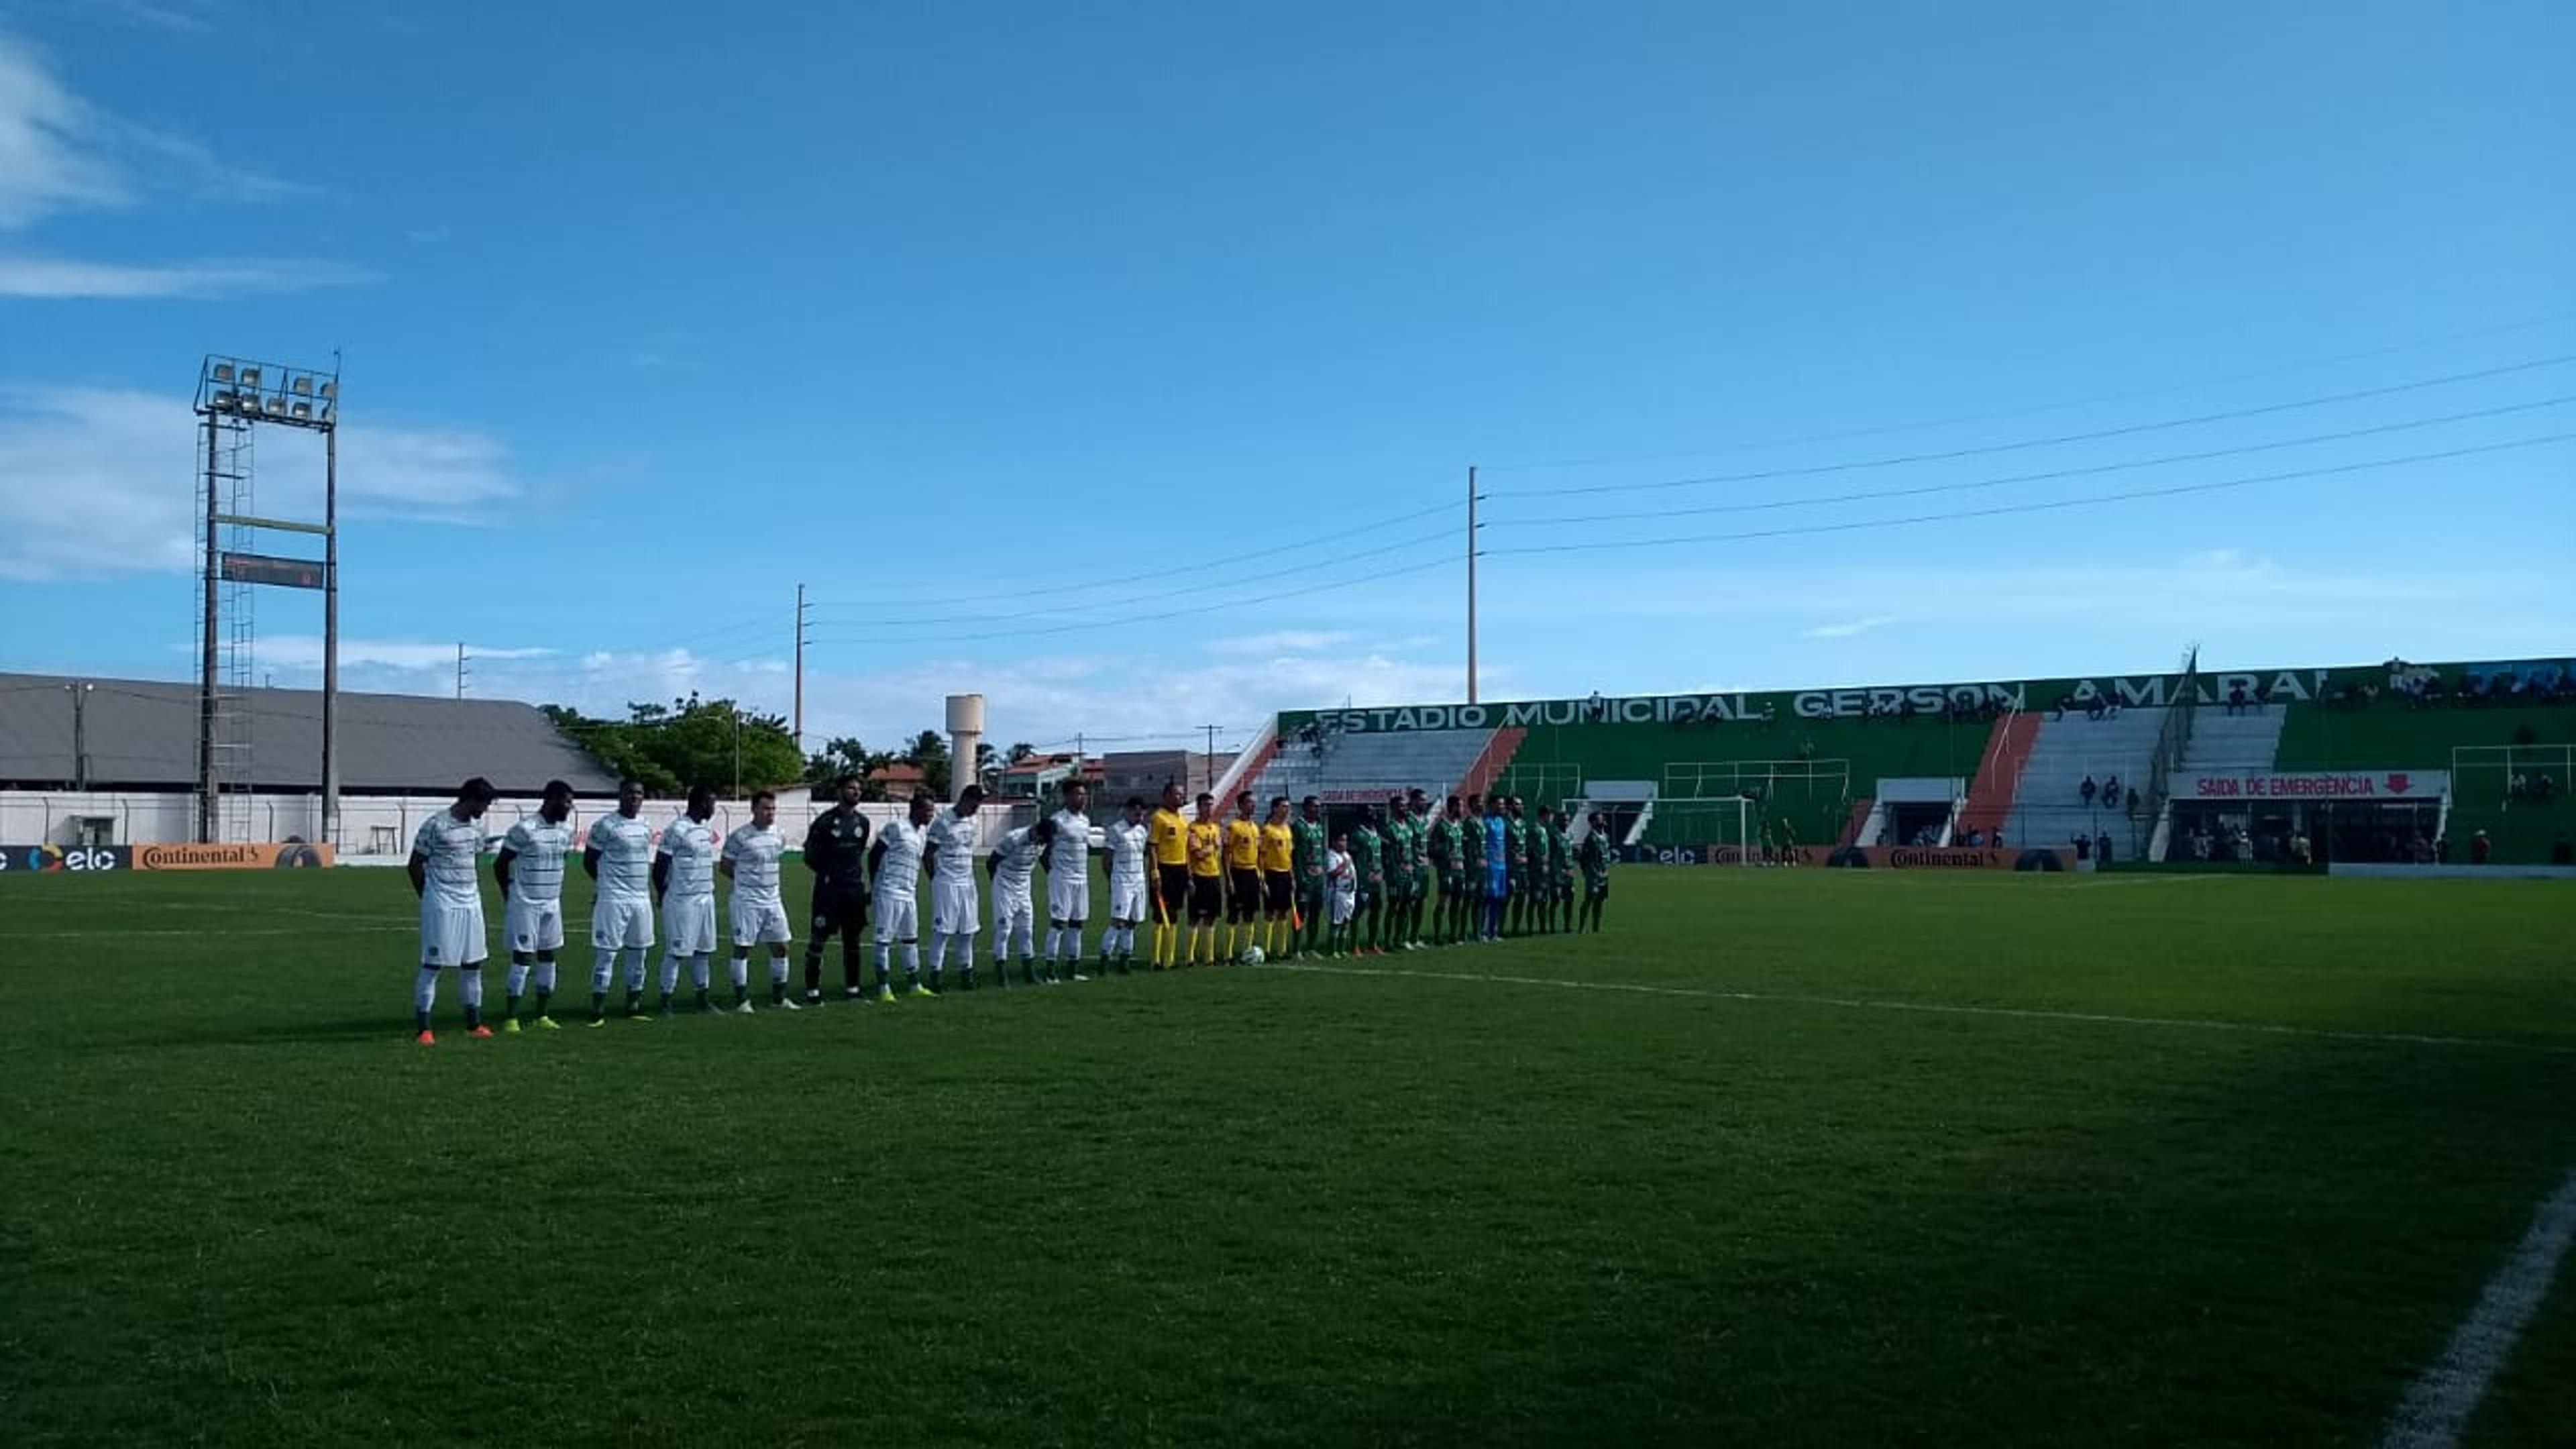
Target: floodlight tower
[{"x": 233, "y": 396}]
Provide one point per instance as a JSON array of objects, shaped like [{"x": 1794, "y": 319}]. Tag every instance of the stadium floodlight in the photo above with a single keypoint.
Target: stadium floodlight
[{"x": 232, "y": 395}]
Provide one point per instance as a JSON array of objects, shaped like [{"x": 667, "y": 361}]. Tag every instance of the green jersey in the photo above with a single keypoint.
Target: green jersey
[
  {"x": 1596, "y": 857},
  {"x": 1560, "y": 854},
  {"x": 1446, "y": 847},
  {"x": 1307, "y": 838},
  {"x": 1399, "y": 849},
  {"x": 1473, "y": 834},
  {"x": 1516, "y": 845},
  {"x": 1365, "y": 855}
]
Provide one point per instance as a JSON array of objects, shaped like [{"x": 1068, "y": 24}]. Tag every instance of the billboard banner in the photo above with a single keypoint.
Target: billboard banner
[
  {"x": 289, "y": 856},
  {"x": 266, "y": 568},
  {"x": 1870, "y": 857},
  {"x": 2231, "y": 785},
  {"x": 47, "y": 859}
]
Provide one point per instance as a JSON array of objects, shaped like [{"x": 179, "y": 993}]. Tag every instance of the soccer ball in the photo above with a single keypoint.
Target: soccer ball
[{"x": 1252, "y": 956}]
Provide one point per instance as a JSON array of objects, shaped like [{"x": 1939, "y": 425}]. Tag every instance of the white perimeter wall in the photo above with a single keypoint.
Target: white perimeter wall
[{"x": 30, "y": 817}]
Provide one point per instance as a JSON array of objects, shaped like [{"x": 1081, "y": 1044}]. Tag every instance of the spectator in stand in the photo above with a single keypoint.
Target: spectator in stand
[
  {"x": 2088, "y": 789},
  {"x": 1997, "y": 839},
  {"x": 2111, "y": 793},
  {"x": 2133, "y": 802},
  {"x": 2083, "y": 847},
  {"x": 2420, "y": 850},
  {"x": 2480, "y": 848},
  {"x": 2236, "y": 698},
  {"x": 2299, "y": 848},
  {"x": 2548, "y": 787},
  {"x": 2442, "y": 849},
  {"x": 2102, "y": 848},
  {"x": 2518, "y": 787}
]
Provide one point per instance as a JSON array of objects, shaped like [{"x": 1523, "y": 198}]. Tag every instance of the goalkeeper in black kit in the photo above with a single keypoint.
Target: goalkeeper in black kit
[{"x": 836, "y": 850}]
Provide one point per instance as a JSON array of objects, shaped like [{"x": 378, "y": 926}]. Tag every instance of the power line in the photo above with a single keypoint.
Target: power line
[
  {"x": 2021, "y": 444},
  {"x": 1265, "y": 551},
  {"x": 1841, "y": 435},
  {"x": 2053, "y": 474},
  {"x": 2045, "y": 506},
  {"x": 1158, "y": 595},
  {"x": 1073, "y": 628}
]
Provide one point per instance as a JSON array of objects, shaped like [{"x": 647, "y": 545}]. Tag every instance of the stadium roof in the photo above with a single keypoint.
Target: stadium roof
[{"x": 142, "y": 735}]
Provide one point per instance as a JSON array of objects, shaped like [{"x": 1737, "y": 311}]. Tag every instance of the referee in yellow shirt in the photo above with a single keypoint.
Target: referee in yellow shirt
[
  {"x": 1278, "y": 877},
  {"x": 1167, "y": 840},
  {"x": 1243, "y": 877},
  {"x": 1207, "y": 876}
]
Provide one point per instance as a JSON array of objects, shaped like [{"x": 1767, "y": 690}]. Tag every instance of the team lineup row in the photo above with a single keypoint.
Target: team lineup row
[{"x": 1477, "y": 870}]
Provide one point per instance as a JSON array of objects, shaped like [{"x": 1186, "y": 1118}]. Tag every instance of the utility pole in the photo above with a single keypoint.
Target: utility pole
[
  {"x": 1471, "y": 584},
  {"x": 799, "y": 723},
  {"x": 1208, "y": 761},
  {"x": 80, "y": 734},
  {"x": 460, "y": 671}
]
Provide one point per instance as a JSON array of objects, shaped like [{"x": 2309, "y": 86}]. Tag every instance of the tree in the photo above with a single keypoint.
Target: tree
[
  {"x": 1021, "y": 751},
  {"x": 929, "y": 751},
  {"x": 846, "y": 756},
  {"x": 988, "y": 763},
  {"x": 688, "y": 742}
]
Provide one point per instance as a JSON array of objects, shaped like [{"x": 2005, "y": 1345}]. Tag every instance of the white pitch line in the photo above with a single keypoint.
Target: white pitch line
[
  {"x": 2438, "y": 1407},
  {"x": 1850, "y": 1003}
]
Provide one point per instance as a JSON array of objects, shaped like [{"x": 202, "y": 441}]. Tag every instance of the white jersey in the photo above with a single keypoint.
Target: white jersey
[
  {"x": 1344, "y": 880},
  {"x": 753, "y": 852},
  {"x": 537, "y": 849},
  {"x": 1071, "y": 853},
  {"x": 691, "y": 845},
  {"x": 625, "y": 846},
  {"x": 954, "y": 835},
  {"x": 452, "y": 850},
  {"x": 1127, "y": 845},
  {"x": 1017, "y": 856},
  {"x": 899, "y": 866}
]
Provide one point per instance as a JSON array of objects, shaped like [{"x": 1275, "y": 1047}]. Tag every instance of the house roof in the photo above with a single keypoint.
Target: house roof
[{"x": 142, "y": 734}]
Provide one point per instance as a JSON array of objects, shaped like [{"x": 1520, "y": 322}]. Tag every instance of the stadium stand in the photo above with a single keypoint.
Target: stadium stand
[{"x": 2360, "y": 758}]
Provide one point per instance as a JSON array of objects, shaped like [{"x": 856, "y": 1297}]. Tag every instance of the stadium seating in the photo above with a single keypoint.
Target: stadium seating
[
  {"x": 2049, "y": 807},
  {"x": 1355, "y": 768}
]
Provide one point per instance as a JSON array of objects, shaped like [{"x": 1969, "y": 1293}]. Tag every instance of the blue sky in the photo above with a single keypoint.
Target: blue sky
[{"x": 952, "y": 313}]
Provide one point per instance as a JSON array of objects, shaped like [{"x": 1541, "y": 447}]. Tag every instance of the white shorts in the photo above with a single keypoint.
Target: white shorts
[
  {"x": 532, "y": 926},
  {"x": 690, "y": 922},
  {"x": 1127, "y": 899},
  {"x": 756, "y": 921},
  {"x": 1069, "y": 897},
  {"x": 1345, "y": 905},
  {"x": 898, "y": 916},
  {"x": 621, "y": 922},
  {"x": 1013, "y": 910},
  {"x": 452, "y": 935},
  {"x": 953, "y": 909}
]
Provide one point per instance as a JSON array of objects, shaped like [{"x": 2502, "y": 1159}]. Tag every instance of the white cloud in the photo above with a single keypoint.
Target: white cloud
[
  {"x": 60, "y": 278},
  {"x": 295, "y": 653},
  {"x": 176, "y": 17},
  {"x": 1848, "y": 628},
  {"x": 53, "y": 155},
  {"x": 94, "y": 481},
  {"x": 1284, "y": 641}
]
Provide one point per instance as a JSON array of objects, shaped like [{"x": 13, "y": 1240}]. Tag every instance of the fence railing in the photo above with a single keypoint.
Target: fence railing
[{"x": 2173, "y": 738}]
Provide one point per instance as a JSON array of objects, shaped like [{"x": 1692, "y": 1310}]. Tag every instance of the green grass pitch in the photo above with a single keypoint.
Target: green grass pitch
[{"x": 1882, "y": 1159}]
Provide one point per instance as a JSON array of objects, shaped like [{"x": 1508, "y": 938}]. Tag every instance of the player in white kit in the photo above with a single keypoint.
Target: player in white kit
[
  {"x": 1012, "y": 868},
  {"x": 955, "y": 914},
  {"x": 684, "y": 880},
  {"x": 759, "y": 912},
  {"x": 530, "y": 869},
  {"x": 1068, "y": 868},
  {"x": 446, "y": 864},
  {"x": 618, "y": 854},
  {"x": 894, "y": 862},
  {"x": 1342, "y": 881},
  {"x": 1127, "y": 844}
]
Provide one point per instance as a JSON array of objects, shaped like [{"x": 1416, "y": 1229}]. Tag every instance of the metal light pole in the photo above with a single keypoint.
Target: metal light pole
[
  {"x": 80, "y": 734},
  {"x": 330, "y": 830},
  {"x": 1471, "y": 584}
]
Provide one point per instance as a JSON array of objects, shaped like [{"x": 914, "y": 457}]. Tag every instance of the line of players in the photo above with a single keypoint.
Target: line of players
[
  {"x": 1280, "y": 883},
  {"x": 1411, "y": 878}
]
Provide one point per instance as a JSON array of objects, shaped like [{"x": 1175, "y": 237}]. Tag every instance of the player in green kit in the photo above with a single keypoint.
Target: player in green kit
[
  {"x": 1398, "y": 832},
  {"x": 1368, "y": 861},
  {"x": 1403, "y": 872},
  {"x": 1515, "y": 866},
  {"x": 1560, "y": 864},
  {"x": 1542, "y": 880},
  {"x": 1471, "y": 908},
  {"x": 1442, "y": 853},
  {"x": 1310, "y": 849},
  {"x": 1596, "y": 856},
  {"x": 1423, "y": 876}
]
